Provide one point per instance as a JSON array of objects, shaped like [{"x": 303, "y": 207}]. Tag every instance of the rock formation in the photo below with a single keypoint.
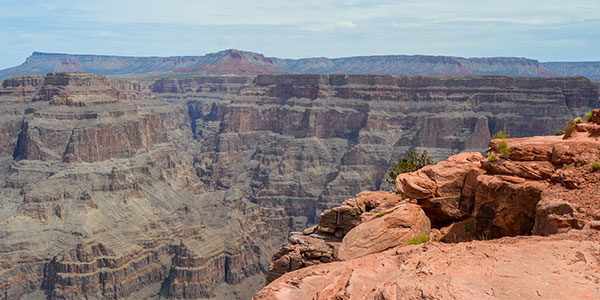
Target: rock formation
[
  {"x": 184, "y": 188},
  {"x": 542, "y": 186}
]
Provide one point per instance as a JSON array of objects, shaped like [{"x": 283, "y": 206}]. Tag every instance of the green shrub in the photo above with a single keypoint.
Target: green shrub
[
  {"x": 500, "y": 135},
  {"x": 595, "y": 166},
  {"x": 565, "y": 166},
  {"x": 570, "y": 126},
  {"x": 384, "y": 198},
  {"x": 491, "y": 157},
  {"x": 588, "y": 116},
  {"x": 418, "y": 240},
  {"x": 382, "y": 213},
  {"x": 578, "y": 165},
  {"x": 469, "y": 226},
  {"x": 578, "y": 120},
  {"x": 503, "y": 147},
  {"x": 413, "y": 162},
  {"x": 560, "y": 132}
]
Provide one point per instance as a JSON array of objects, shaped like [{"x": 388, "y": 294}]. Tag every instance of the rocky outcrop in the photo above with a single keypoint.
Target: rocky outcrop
[
  {"x": 508, "y": 268},
  {"x": 445, "y": 190},
  {"x": 519, "y": 190},
  {"x": 370, "y": 222}
]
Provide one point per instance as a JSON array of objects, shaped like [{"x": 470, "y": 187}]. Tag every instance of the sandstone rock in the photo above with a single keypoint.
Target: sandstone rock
[
  {"x": 555, "y": 216},
  {"x": 439, "y": 188},
  {"x": 350, "y": 213},
  {"x": 300, "y": 252},
  {"x": 448, "y": 271},
  {"x": 390, "y": 229},
  {"x": 536, "y": 170},
  {"x": 505, "y": 205}
]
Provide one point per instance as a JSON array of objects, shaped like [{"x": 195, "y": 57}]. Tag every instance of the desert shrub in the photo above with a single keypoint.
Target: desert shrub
[
  {"x": 578, "y": 120},
  {"x": 500, "y": 135},
  {"x": 382, "y": 213},
  {"x": 565, "y": 166},
  {"x": 411, "y": 163},
  {"x": 469, "y": 226},
  {"x": 578, "y": 165},
  {"x": 588, "y": 116},
  {"x": 491, "y": 157},
  {"x": 560, "y": 132},
  {"x": 570, "y": 126},
  {"x": 595, "y": 166},
  {"x": 418, "y": 240},
  {"x": 503, "y": 147}
]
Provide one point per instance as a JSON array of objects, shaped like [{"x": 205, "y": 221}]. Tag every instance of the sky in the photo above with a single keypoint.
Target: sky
[{"x": 546, "y": 30}]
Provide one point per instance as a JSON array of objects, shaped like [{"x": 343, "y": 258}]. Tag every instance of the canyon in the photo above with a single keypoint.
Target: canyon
[
  {"x": 184, "y": 188},
  {"x": 236, "y": 62}
]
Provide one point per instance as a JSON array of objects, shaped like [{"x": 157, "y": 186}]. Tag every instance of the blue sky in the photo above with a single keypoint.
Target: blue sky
[{"x": 546, "y": 30}]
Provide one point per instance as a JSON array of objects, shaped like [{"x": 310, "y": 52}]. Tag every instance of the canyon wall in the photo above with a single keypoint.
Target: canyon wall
[{"x": 184, "y": 188}]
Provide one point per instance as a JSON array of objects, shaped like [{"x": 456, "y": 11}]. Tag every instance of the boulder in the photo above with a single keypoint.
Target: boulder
[{"x": 389, "y": 229}]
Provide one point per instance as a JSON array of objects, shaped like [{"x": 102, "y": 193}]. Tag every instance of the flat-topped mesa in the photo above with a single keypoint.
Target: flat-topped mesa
[{"x": 85, "y": 89}]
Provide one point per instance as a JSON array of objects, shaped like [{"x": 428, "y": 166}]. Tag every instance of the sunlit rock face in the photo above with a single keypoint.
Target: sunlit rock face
[{"x": 184, "y": 188}]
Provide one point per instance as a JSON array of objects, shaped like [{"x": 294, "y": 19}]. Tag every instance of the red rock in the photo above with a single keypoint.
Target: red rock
[
  {"x": 508, "y": 268},
  {"x": 389, "y": 229},
  {"x": 439, "y": 188}
]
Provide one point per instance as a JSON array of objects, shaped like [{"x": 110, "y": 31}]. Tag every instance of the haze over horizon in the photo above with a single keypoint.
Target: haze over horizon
[{"x": 542, "y": 30}]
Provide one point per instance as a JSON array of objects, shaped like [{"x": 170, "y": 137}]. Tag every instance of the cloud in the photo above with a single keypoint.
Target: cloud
[
  {"x": 541, "y": 29},
  {"x": 329, "y": 27}
]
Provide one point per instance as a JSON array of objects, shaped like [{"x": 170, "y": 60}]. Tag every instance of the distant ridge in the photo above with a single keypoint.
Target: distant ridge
[{"x": 236, "y": 62}]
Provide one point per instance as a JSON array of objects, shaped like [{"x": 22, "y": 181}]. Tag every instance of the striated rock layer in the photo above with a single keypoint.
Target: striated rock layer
[{"x": 184, "y": 188}]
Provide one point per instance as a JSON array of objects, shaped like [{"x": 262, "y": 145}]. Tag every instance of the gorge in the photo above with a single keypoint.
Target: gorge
[{"x": 184, "y": 188}]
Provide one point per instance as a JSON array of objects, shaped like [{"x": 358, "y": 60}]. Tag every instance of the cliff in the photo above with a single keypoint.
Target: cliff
[
  {"x": 184, "y": 188},
  {"x": 235, "y": 62},
  {"x": 522, "y": 220}
]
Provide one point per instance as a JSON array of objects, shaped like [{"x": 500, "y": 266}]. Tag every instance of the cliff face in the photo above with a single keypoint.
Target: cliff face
[
  {"x": 100, "y": 199},
  {"x": 543, "y": 186},
  {"x": 184, "y": 188},
  {"x": 235, "y": 62}
]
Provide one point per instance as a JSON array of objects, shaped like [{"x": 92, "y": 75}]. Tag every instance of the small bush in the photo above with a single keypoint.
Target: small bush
[
  {"x": 413, "y": 162},
  {"x": 503, "y": 147},
  {"x": 565, "y": 166},
  {"x": 588, "y": 116},
  {"x": 384, "y": 198},
  {"x": 570, "y": 126},
  {"x": 578, "y": 120},
  {"x": 578, "y": 165},
  {"x": 595, "y": 166},
  {"x": 382, "y": 213},
  {"x": 469, "y": 226},
  {"x": 500, "y": 135},
  {"x": 491, "y": 157},
  {"x": 560, "y": 132},
  {"x": 418, "y": 240}
]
